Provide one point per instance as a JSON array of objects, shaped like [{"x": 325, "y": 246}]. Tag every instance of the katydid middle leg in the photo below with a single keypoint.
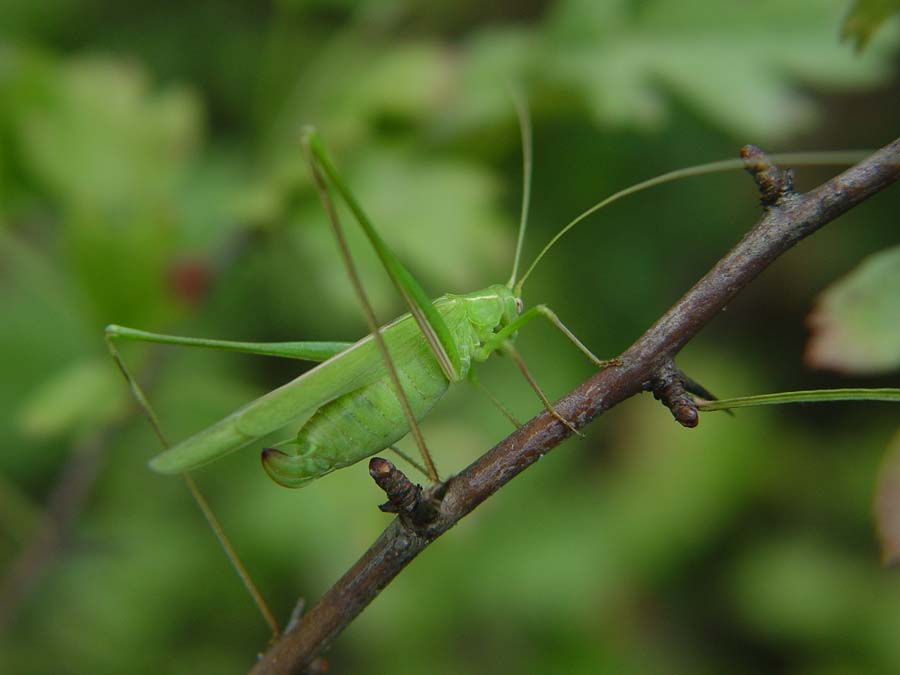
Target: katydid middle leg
[
  {"x": 506, "y": 412},
  {"x": 501, "y": 341}
]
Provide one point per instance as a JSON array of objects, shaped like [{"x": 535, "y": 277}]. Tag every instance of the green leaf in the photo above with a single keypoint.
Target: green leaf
[
  {"x": 743, "y": 65},
  {"x": 856, "y": 322},
  {"x": 865, "y": 17}
]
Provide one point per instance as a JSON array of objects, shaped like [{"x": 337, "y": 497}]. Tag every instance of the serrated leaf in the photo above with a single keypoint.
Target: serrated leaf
[
  {"x": 887, "y": 503},
  {"x": 865, "y": 18},
  {"x": 742, "y": 65},
  {"x": 856, "y": 322}
]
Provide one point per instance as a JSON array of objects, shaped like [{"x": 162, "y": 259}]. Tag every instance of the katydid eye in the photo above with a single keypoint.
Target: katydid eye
[{"x": 519, "y": 305}]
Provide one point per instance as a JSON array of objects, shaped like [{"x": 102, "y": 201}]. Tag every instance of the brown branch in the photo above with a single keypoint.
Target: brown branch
[{"x": 788, "y": 218}]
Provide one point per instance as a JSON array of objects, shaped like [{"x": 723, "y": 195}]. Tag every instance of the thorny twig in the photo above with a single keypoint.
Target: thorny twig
[{"x": 788, "y": 218}]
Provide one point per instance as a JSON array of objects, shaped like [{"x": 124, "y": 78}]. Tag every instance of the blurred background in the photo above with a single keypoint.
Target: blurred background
[{"x": 150, "y": 176}]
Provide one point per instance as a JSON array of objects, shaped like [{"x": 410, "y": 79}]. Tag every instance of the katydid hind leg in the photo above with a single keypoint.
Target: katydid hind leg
[
  {"x": 147, "y": 410},
  {"x": 317, "y": 159},
  {"x": 439, "y": 337}
]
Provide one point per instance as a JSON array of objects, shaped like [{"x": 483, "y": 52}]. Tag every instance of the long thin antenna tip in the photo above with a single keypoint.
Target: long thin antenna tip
[
  {"x": 521, "y": 106},
  {"x": 309, "y": 137},
  {"x": 795, "y": 158}
]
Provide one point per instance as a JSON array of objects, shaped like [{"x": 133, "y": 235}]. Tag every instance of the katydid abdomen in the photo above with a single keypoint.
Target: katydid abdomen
[
  {"x": 358, "y": 424},
  {"x": 346, "y": 408},
  {"x": 371, "y": 418}
]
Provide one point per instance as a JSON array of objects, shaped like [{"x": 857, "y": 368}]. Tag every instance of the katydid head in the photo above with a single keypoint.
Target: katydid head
[
  {"x": 511, "y": 304},
  {"x": 491, "y": 309},
  {"x": 495, "y": 306}
]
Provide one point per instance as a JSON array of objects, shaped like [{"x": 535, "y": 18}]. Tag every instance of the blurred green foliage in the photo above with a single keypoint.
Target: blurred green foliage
[
  {"x": 150, "y": 176},
  {"x": 865, "y": 18}
]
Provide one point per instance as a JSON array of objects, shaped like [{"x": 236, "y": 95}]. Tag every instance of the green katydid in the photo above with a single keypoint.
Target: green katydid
[
  {"x": 358, "y": 402},
  {"x": 364, "y": 396}
]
